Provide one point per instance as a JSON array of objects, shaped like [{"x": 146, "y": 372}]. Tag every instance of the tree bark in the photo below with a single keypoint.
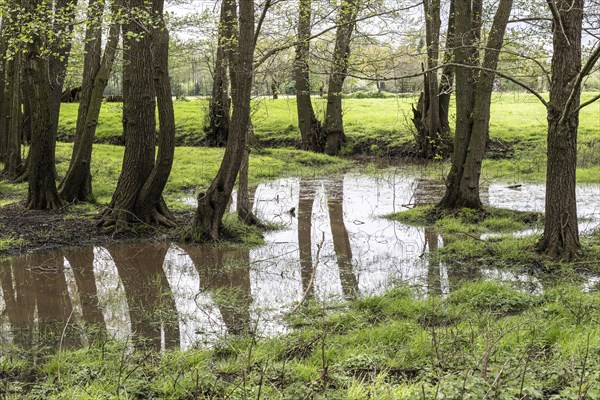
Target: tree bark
[
  {"x": 220, "y": 107},
  {"x": 473, "y": 97},
  {"x": 310, "y": 126},
  {"x": 334, "y": 124},
  {"x": 42, "y": 193},
  {"x": 13, "y": 166},
  {"x": 426, "y": 117},
  {"x": 138, "y": 196},
  {"x": 212, "y": 204},
  {"x": 77, "y": 184},
  {"x": 561, "y": 233},
  {"x": 447, "y": 78},
  {"x": 4, "y": 90},
  {"x": 244, "y": 203}
]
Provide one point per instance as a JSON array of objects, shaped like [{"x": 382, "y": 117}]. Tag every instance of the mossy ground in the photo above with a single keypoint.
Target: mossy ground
[{"x": 484, "y": 340}]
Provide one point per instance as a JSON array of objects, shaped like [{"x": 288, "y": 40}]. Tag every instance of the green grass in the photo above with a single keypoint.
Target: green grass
[
  {"x": 467, "y": 221},
  {"x": 485, "y": 339},
  {"x": 194, "y": 168},
  {"x": 381, "y": 126}
]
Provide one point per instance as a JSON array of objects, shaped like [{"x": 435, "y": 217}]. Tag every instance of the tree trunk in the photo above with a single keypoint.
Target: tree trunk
[
  {"x": 212, "y": 205},
  {"x": 310, "y": 127},
  {"x": 334, "y": 124},
  {"x": 447, "y": 78},
  {"x": 77, "y": 184},
  {"x": 219, "y": 108},
  {"x": 12, "y": 166},
  {"x": 42, "y": 193},
  {"x": 473, "y": 97},
  {"x": 138, "y": 196},
  {"x": 4, "y": 90},
  {"x": 561, "y": 233},
  {"x": 426, "y": 117},
  {"x": 244, "y": 203},
  {"x": 64, "y": 16}
]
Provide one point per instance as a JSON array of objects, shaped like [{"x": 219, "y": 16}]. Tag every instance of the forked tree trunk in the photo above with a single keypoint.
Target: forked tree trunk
[
  {"x": 77, "y": 184},
  {"x": 138, "y": 196},
  {"x": 212, "y": 204},
  {"x": 220, "y": 107},
  {"x": 561, "y": 233},
  {"x": 310, "y": 126},
  {"x": 42, "y": 193},
  {"x": 473, "y": 97},
  {"x": 334, "y": 123},
  {"x": 426, "y": 117}
]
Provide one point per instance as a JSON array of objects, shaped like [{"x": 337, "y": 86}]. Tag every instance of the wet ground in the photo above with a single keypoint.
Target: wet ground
[{"x": 334, "y": 245}]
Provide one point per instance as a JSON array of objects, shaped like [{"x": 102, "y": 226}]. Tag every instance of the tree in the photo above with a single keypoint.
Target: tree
[
  {"x": 77, "y": 184},
  {"x": 212, "y": 204},
  {"x": 561, "y": 233},
  {"x": 334, "y": 124},
  {"x": 42, "y": 193},
  {"x": 219, "y": 108},
  {"x": 474, "y": 85},
  {"x": 431, "y": 115},
  {"x": 310, "y": 126},
  {"x": 11, "y": 80},
  {"x": 138, "y": 196}
]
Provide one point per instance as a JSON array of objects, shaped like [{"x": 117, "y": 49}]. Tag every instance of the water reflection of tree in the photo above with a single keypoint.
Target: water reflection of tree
[
  {"x": 19, "y": 300},
  {"x": 149, "y": 296},
  {"x": 427, "y": 192},
  {"x": 225, "y": 274},
  {"x": 341, "y": 240},
  {"x": 305, "y": 208},
  {"x": 82, "y": 263},
  {"x": 33, "y": 283}
]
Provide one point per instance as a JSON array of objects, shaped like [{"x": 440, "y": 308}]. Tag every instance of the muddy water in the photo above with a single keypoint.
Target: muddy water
[{"x": 334, "y": 245}]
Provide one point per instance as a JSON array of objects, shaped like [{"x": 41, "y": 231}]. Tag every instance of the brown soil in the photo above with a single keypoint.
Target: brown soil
[{"x": 40, "y": 230}]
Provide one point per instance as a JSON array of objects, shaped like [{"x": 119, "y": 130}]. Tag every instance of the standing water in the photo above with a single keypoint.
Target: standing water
[{"x": 334, "y": 246}]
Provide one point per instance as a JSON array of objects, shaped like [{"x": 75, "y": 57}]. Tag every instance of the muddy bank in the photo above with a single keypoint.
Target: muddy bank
[{"x": 32, "y": 231}]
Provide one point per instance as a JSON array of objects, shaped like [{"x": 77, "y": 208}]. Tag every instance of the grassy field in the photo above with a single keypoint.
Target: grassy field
[
  {"x": 483, "y": 341},
  {"x": 516, "y": 117},
  {"x": 382, "y": 127}
]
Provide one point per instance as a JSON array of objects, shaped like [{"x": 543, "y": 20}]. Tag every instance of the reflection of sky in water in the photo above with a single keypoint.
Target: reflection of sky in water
[{"x": 384, "y": 253}]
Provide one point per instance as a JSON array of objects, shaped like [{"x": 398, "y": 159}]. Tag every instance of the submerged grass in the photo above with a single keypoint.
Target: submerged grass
[{"x": 484, "y": 340}]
